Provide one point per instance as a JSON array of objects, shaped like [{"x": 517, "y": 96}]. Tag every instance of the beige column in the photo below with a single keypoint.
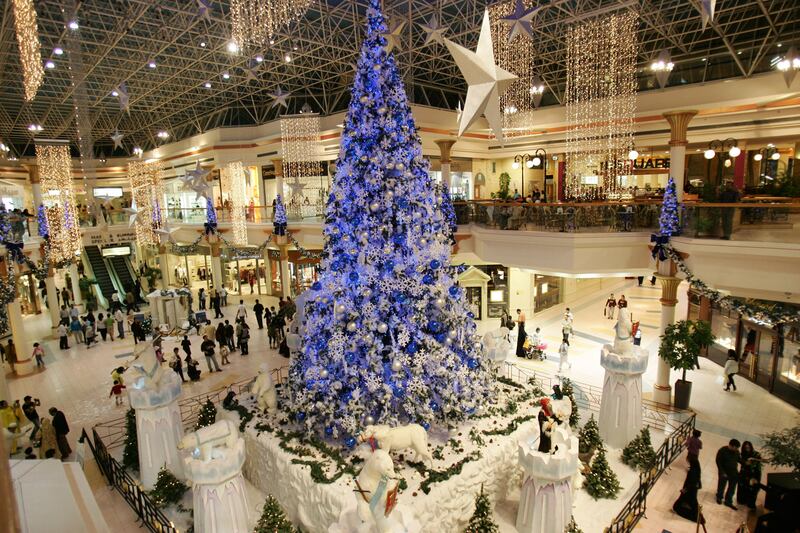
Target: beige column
[
  {"x": 216, "y": 265},
  {"x": 286, "y": 277},
  {"x": 33, "y": 176},
  {"x": 25, "y": 364},
  {"x": 678, "y": 124},
  {"x": 278, "y": 164},
  {"x": 52, "y": 299},
  {"x": 445, "y": 145},
  {"x": 662, "y": 392},
  {"x": 163, "y": 266},
  {"x": 268, "y": 271},
  {"x": 76, "y": 286}
]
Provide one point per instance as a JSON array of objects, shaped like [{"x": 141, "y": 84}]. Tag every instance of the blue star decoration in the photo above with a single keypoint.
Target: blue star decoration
[{"x": 519, "y": 22}]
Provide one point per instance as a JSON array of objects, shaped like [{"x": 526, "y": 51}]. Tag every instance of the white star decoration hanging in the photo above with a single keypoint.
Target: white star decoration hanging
[
  {"x": 486, "y": 81},
  {"x": 122, "y": 95},
  {"x": 280, "y": 98},
  {"x": 393, "y": 35},
  {"x": 459, "y": 111},
  {"x": 165, "y": 232},
  {"x": 433, "y": 32},
  {"x": 117, "y": 138},
  {"x": 133, "y": 214},
  {"x": 707, "y": 8},
  {"x": 297, "y": 188},
  {"x": 519, "y": 21},
  {"x": 195, "y": 180}
]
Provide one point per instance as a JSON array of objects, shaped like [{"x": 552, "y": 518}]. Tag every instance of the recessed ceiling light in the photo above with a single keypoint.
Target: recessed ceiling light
[
  {"x": 225, "y": 75},
  {"x": 780, "y": 44},
  {"x": 233, "y": 47},
  {"x": 35, "y": 127},
  {"x": 162, "y": 134},
  {"x": 295, "y": 47},
  {"x": 704, "y": 59},
  {"x": 114, "y": 93},
  {"x": 49, "y": 64},
  {"x": 739, "y": 53},
  {"x": 272, "y": 41},
  {"x": 287, "y": 58},
  {"x": 259, "y": 58},
  {"x": 207, "y": 85},
  {"x": 202, "y": 44},
  {"x": 73, "y": 25},
  {"x": 152, "y": 64},
  {"x": 58, "y": 51}
]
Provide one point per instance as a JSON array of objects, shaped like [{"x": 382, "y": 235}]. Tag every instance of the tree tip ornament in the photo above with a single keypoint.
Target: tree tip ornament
[{"x": 386, "y": 332}]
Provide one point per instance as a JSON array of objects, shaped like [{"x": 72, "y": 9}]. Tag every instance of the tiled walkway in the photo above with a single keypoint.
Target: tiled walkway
[{"x": 78, "y": 381}]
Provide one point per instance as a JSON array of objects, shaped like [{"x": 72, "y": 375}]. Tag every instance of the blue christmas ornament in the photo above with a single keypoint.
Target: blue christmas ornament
[
  {"x": 411, "y": 348},
  {"x": 427, "y": 279},
  {"x": 300, "y": 416},
  {"x": 434, "y": 326},
  {"x": 426, "y": 426},
  {"x": 440, "y": 337},
  {"x": 329, "y": 431},
  {"x": 350, "y": 357},
  {"x": 316, "y": 286},
  {"x": 350, "y": 442},
  {"x": 472, "y": 363},
  {"x": 399, "y": 392},
  {"x": 435, "y": 264},
  {"x": 353, "y": 276},
  {"x": 434, "y": 405},
  {"x": 453, "y": 290},
  {"x": 398, "y": 238}
]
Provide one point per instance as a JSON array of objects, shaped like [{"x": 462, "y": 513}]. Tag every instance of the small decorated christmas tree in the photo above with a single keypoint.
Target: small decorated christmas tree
[
  {"x": 601, "y": 481},
  {"x": 639, "y": 452},
  {"x": 566, "y": 390},
  {"x": 572, "y": 527},
  {"x": 130, "y": 455},
  {"x": 481, "y": 521},
  {"x": 206, "y": 416},
  {"x": 669, "y": 223},
  {"x": 273, "y": 519},
  {"x": 168, "y": 489},
  {"x": 279, "y": 217},
  {"x": 589, "y": 436}
]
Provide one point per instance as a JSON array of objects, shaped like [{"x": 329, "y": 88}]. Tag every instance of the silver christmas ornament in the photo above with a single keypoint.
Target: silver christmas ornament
[
  {"x": 323, "y": 373},
  {"x": 397, "y": 366},
  {"x": 383, "y": 328},
  {"x": 369, "y": 420},
  {"x": 351, "y": 327}
]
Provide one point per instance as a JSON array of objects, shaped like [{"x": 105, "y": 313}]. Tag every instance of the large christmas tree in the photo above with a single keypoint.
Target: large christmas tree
[{"x": 388, "y": 337}]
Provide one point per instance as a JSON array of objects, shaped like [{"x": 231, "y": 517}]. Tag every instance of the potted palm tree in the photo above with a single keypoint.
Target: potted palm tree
[{"x": 681, "y": 345}]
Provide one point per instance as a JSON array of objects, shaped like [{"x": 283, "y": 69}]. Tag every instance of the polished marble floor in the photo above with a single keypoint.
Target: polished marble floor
[{"x": 78, "y": 381}]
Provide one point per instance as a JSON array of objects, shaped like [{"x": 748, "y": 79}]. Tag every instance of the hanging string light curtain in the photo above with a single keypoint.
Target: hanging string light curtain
[
  {"x": 601, "y": 103},
  {"x": 517, "y": 55},
  {"x": 234, "y": 178},
  {"x": 255, "y": 21},
  {"x": 300, "y": 144},
  {"x": 30, "y": 54},
  {"x": 60, "y": 211},
  {"x": 147, "y": 187}
]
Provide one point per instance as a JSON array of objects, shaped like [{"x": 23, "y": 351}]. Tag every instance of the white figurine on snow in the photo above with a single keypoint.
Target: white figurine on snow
[
  {"x": 409, "y": 436},
  {"x": 145, "y": 369},
  {"x": 264, "y": 390},
  {"x": 222, "y": 432},
  {"x": 377, "y": 490},
  {"x": 623, "y": 338}
]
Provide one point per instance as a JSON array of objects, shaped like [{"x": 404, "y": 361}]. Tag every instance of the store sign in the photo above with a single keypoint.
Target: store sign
[
  {"x": 640, "y": 164},
  {"x": 116, "y": 251},
  {"x": 110, "y": 236}
]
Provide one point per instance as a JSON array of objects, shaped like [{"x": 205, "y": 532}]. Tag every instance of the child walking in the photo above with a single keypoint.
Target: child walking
[
  {"x": 116, "y": 391},
  {"x": 224, "y": 351}
]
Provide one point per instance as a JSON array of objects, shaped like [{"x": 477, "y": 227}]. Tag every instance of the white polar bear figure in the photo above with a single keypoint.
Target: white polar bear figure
[
  {"x": 264, "y": 390},
  {"x": 408, "y": 436},
  {"x": 145, "y": 369},
  {"x": 374, "y": 483},
  {"x": 623, "y": 338},
  {"x": 206, "y": 438}
]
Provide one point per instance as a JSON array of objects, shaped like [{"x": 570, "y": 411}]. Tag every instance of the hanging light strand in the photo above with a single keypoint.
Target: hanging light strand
[
  {"x": 147, "y": 188},
  {"x": 600, "y": 102},
  {"x": 300, "y": 144},
  {"x": 30, "y": 54},
  {"x": 254, "y": 22},
  {"x": 234, "y": 178},
  {"x": 60, "y": 211}
]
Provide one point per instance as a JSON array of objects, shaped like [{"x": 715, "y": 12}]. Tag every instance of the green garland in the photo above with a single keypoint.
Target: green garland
[
  {"x": 511, "y": 427},
  {"x": 775, "y": 314},
  {"x": 303, "y": 252},
  {"x": 130, "y": 454}
]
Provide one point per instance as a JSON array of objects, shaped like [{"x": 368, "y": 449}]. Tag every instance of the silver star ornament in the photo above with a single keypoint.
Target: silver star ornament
[
  {"x": 519, "y": 21},
  {"x": 280, "y": 97},
  {"x": 117, "y": 138},
  {"x": 433, "y": 32},
  {"x": 393, "y": 35}
]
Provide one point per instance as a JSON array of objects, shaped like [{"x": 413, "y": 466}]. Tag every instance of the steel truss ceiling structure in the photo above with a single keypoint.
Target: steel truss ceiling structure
[{"x": 118, "y": 38}]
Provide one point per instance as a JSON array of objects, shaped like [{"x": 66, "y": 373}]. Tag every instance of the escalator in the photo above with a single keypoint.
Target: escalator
[
  {"x": 100, "y": 271},
  {"x": 120, "y": 266}
]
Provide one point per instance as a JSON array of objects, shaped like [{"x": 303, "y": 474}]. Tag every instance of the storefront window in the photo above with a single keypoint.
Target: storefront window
[
  {"x": 789, "y": 371},
  {"x": 724, "y": 326},
  {"x": 547, "y": 292},
  {"x": 497, "y": 289},
  {"x": 694, "y": 305}
]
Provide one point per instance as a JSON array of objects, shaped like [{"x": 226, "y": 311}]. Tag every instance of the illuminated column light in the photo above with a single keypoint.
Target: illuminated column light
[
  {"x": 147, "y": 186},
  {"x": 254, "y": 22},
  {"x": 234, "y": 178},
  {"x": 300, "y": 144},
  {"x": 58, "y": 196},
  {"x": 30, "y": 55},
  {"x": 600, "y": 101}
]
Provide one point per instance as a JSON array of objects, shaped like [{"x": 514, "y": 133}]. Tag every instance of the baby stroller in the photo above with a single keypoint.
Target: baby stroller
[{"x": 534, "y": 349}]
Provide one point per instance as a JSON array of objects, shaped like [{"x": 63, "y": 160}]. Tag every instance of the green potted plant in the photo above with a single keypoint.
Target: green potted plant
[
  {"x": 782, "y": 448},
  {"x": 505, "y": 183},
  {"x": 680, "y": 347}
]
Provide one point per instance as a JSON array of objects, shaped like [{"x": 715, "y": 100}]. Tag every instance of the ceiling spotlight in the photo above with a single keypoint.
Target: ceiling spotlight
[
  {"x": 49, "y": 64},
  {"x": 259, "y": 58},
  {"x": 207, "y": 85},
  {"x": 137, "y": 151},
  {"x": 35, "y": 127},
  {"x": 537, "y": 89},
  {"x": 758, "y": 157},
  {"x": 775, "y": 156},
  {"x": 272, "y": 41},
  {"x": 530, "y": 163},
  {"x": 114, "y": 93},
  {"x": 202, "y": 44},
  {"x": 633, "y": 155},
  {"x": 233, "y": 47},
  {"x": 287, "y": 58},
  {"x": 295, "y": 47},
  {"x": 704, "y": 60},
  {"x": 152, "y": 64},
  {"x": 709, "y": 154},
  {"x": 162, "y": 134},
  {"x": 515, "y": 165},
  {"x": 780, "y": 44},
  {"x": 226, "y": 75},
  {"x": 73, "y": 25},
  {"x": 58, "y": 51},
  {"x": 734, "y": 151}
]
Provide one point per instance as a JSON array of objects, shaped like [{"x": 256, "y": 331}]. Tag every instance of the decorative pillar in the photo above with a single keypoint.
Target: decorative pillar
[
  {"x": 25, "y": 364},
  {"x": 662, "y": 391},
  {"x": 36, "y": 188},
  {"x": 545, "y": 501},
  {"x": 52, "y": 298},
  {"x": 445, "y": 145},
  {"x": 216, "y": 265},
  {"x": 278, "y": 165},
  {"x": 286, "y": 277},
  {"x": 153, "y": 392},
  {"x": 268, "y": 271},
  {"x": 163, "y": 266},
  {"x": 218, "y": 488},
  {"x": 621, "y": 405},
  {"x": 678, "y": 124},
  {"x": 77, "y": 297}
]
